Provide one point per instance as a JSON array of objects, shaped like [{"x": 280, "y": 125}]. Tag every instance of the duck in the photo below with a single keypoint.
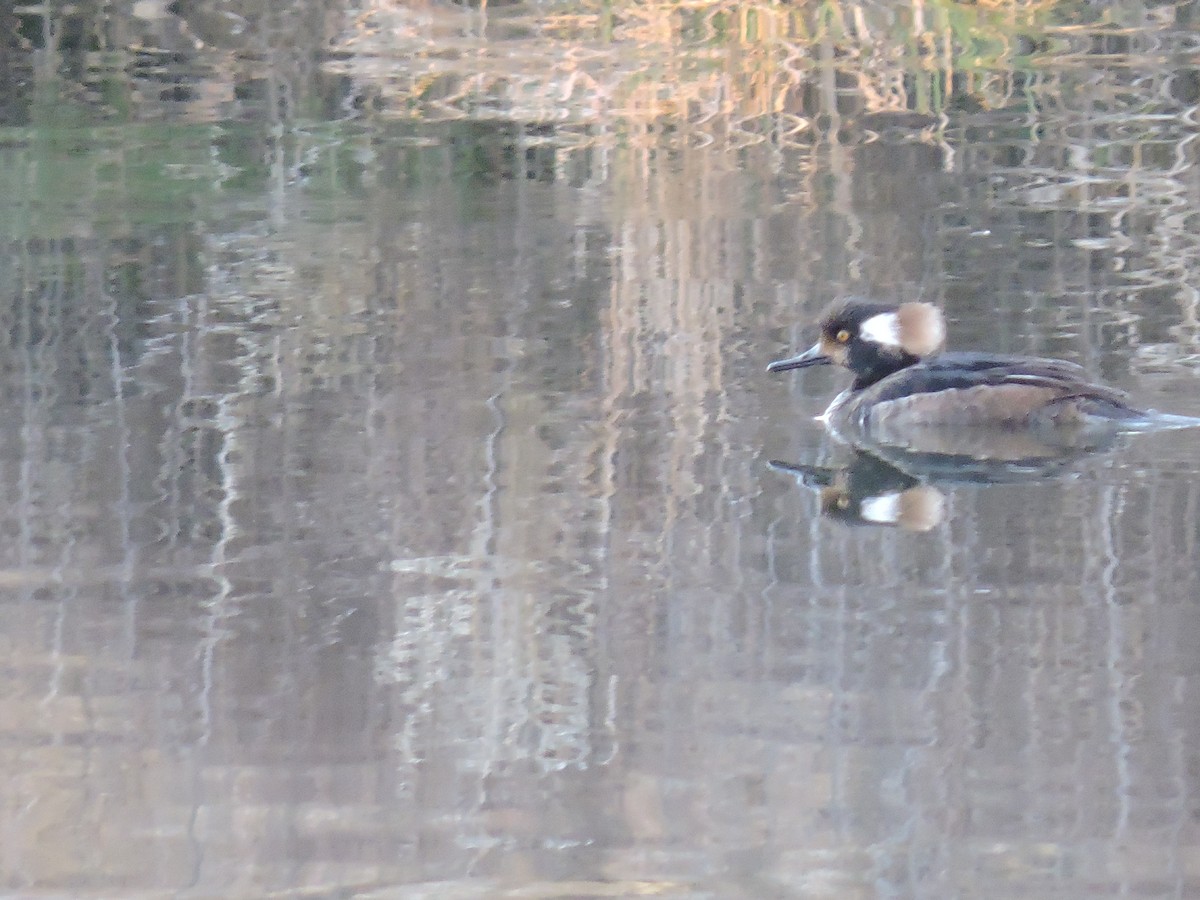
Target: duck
[{"x": 905, "y": 380}]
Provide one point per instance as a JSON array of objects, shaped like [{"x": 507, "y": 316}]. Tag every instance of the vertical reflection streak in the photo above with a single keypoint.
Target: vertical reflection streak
[
  {"x": 606, "y": 461},
  {"x": 129, "y": 555},
  {"x": 27, "y": 428},
  {"x": 191, "y": 354},
  {"x": 490, "y": 584},
  {"x": 1110, "y": 506},
  {"x": 941, "y": 673},
  {"x": 227, "y": 423},
  {"x": 171, "y": 443},
  {"x": 486, "y": 551}
]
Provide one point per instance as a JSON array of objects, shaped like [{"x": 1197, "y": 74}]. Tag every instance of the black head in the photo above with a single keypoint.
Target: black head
[{"x": 872, "y": 340}]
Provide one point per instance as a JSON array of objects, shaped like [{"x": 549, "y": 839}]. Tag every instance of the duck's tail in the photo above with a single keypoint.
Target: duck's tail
[{"x": 1153, "y": 420}]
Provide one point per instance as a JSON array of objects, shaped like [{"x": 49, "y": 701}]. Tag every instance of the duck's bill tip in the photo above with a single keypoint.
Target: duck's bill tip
[{"x": 811, "y": 357}]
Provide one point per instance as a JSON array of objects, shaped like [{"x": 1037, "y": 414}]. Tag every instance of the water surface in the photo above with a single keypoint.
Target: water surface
[{"x": 385, "y": 460}]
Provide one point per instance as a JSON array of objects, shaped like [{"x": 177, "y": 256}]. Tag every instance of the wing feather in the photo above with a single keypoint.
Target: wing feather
[{"x": 951, "y": 371}]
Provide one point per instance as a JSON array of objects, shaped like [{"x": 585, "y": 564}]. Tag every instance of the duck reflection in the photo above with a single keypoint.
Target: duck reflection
[
  {"x": 869, "y": 491},
  {"x": 903, "y": 486}
]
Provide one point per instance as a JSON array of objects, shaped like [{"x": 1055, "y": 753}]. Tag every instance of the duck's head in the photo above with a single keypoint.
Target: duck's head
[{"x": 872, "y": 340}]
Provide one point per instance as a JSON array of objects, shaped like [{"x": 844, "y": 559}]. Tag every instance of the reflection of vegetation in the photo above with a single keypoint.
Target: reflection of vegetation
[
  {"x": 1071, "y": 108},
  {"x": 697, "y": 61},
  {"x": 146, "y": 175}
]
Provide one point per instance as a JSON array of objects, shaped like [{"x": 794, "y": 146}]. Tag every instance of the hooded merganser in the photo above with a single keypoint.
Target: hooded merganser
[{"x": 903, "y": 380}]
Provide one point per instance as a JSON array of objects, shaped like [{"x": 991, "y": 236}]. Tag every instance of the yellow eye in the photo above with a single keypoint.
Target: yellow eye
[{"x": 843, "y": 336}]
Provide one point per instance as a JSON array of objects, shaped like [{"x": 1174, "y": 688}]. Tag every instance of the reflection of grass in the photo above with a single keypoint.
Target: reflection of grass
[
  {"x": 694, "y": 59},
  {"x": 61, "y": 181}
]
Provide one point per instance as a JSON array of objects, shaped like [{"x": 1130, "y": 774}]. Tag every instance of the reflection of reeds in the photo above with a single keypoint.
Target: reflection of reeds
[{"x": 688, "y": 62}]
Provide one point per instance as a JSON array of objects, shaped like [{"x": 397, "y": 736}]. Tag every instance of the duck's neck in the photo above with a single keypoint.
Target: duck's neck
[{"x": 874, "y": 366}]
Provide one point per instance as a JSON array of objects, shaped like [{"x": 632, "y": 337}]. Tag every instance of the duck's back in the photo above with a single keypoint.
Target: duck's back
[{"x": 961, "y": 389}]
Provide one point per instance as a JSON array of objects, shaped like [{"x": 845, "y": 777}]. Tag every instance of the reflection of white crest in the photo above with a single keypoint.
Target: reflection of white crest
[
  {"x": 883, "y": 509},
  {"x": 916, "y": 509}
]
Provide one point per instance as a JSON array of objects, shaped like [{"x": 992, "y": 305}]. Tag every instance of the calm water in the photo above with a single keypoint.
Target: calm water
[{"x": 387, "y": 499}]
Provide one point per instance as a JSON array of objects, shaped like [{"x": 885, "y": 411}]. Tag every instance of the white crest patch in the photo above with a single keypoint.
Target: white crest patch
[
  {"x": 883, "y": 509},
  {"x": 882, "y": 329}
]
